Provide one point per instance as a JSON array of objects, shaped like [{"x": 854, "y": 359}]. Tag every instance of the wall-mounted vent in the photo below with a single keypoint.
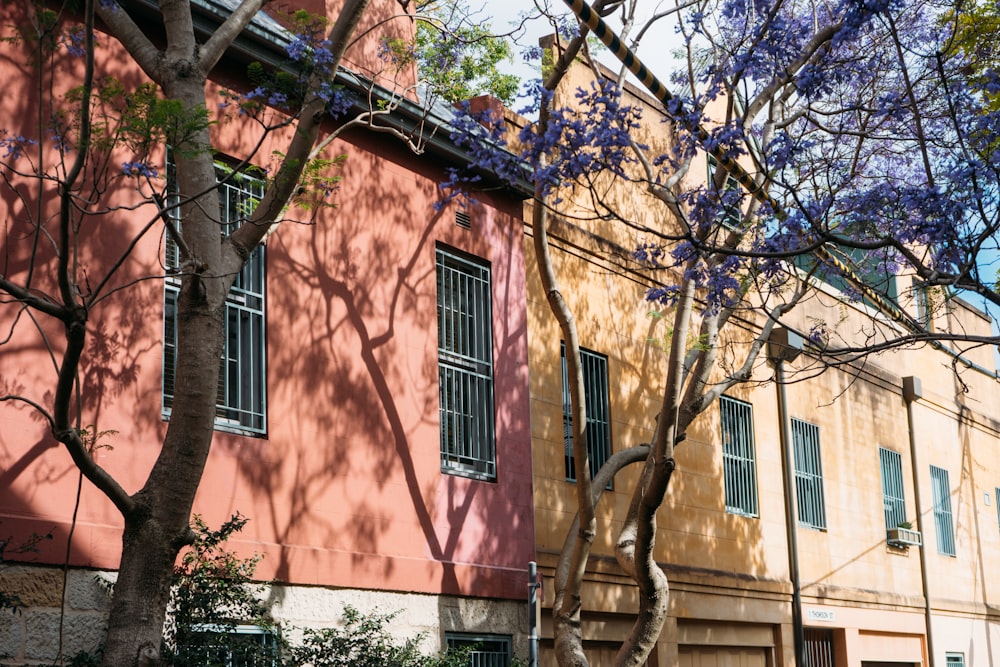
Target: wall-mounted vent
[{"x": 463, "y": 219}]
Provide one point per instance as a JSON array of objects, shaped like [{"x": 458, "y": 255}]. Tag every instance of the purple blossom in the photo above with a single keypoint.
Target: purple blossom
[
  {"x": 138, "y": 169},
  {"x": 14, "y": 145},
  {"x": 74, "y": 40}
]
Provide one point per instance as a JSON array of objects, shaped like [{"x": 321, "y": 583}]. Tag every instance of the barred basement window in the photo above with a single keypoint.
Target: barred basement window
[
  {"x": 595, "y": 386},
  {"x": 484, "y": 650},
  {"x": 465, "y": 366},
  {"x": 808, "y": 475},
  {"x": 228, "y": 646},
  {"x": 241, "y": 397},
  {"x": 944, "y": 527},
  {"x": 738, "y": 462},
  {"x": 892, "y": 487}
]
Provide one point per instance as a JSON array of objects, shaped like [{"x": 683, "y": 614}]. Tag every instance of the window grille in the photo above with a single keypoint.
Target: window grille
[
  {"x": 595, "y": 384},
  {"x": 739, "y": 464},
  {"x": 808, "y": 474},
  {"x": 228, "y": 646},
  {"x": 241, "y": 395},
  {"x": 818, "y": 647},
  {"x": 944, "y": 527},
  {"x": 893, "y": 500},
  {"x": 465, "y": 366},
  {"x": 997, "y": 495},
  {"x": 730, "y": 197},
  {"x": 484, "y": 650},
  {"x": 954, "y": 659}
]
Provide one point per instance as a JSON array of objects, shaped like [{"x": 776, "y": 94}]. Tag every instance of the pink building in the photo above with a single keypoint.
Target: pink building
[{"x": 373, "y": 415}]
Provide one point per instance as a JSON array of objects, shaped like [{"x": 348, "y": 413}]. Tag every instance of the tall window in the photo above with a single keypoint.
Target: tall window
[
  {"x": 818, "y": 647},
  {"x": 997, "y": 496},
  {"x": 595, "y": 386},
  {"x": 738, "y": 462},
  {"x": 484, "y": 650},
  {"x": 808, "y": 474},
  {"x": 730, "y": 196},
  {"x": 893, "y": 501},
  {"x": 241, "y": 396},
  {"x": 944, "y": 527},
  {"x": 465, "y": 366}
]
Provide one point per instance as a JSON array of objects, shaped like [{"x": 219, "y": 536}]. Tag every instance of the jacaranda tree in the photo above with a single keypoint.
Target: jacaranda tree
[
  {"x": 126, "y": 108},
  {"x": 852, "y": 141}
]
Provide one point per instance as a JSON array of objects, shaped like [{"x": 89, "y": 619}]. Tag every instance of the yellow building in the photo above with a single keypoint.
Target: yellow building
[{"x": 892, "y": 554}]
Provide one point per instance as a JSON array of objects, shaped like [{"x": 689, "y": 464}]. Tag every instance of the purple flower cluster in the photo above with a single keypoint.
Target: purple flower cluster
[
  {"x": 138, "y": 169},
  {"x": 13, "y": 145}
]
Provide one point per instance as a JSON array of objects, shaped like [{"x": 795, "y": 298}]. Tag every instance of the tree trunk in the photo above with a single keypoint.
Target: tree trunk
[{"x": 139, "y": 604}]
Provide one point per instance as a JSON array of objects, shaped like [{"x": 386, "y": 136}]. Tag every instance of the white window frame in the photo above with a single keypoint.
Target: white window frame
[
  {"x": 739, "y": 462},
  {"x": 465, "y": 365},
  {"x": 596, "y": 398},
  {"x": 810, "y": 504},
  {"x": 954, "y": 659},
  {"x": 241, "y": 405}
]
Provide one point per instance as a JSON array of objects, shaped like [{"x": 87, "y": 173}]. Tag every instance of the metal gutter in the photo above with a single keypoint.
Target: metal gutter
[{"x": 265, "y": 41}]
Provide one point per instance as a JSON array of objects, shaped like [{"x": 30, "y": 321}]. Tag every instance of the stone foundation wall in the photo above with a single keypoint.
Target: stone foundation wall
[{"x": 32, "y": 636}]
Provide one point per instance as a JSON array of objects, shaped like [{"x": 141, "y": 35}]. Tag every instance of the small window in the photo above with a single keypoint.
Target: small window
[
  {"x": 228, "y": 646},
  {"x": 738, "y": 460},
  {"x": 808, "y": 475},
  {"x": 954, "y": 659},
  {"x": 944, "y": 526},
  {"x": 892, "y": 487},
  {"x": 484, "y": 650},
  {"x": 465, "y": 366},
  {"x": 241, "y": 397},
  {"x": 595, "y": 385}
]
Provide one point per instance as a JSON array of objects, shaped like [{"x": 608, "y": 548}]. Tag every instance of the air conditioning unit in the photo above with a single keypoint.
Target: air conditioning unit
[{"x": 903, "y": 537}]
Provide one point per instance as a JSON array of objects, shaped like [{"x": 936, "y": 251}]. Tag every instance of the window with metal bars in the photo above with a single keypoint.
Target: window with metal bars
[
  {"x": 944, "y": 527},
  {"x": 228, "y": 646},
  {"x": 241, "y": 399},
  {"x": 818, "y": 647},
  {"x": 595, "y": 387},
  {"x": 483, "y": 650},
  {"x": 954, "y": 659},
  {"x": 808, "y": 475},
  {"x": 738, "y": 459},
  {"x": 729, "y": 196},
  {"x": 893, "y": 499},
  {"x": 465, "y": 365}
]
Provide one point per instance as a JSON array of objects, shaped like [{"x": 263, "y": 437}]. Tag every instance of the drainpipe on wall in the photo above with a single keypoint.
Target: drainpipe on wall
[
  {"x": 533, "y": 614},
  {"x": 784, "y": 345},
  {"x": 912, "y": 391}
]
